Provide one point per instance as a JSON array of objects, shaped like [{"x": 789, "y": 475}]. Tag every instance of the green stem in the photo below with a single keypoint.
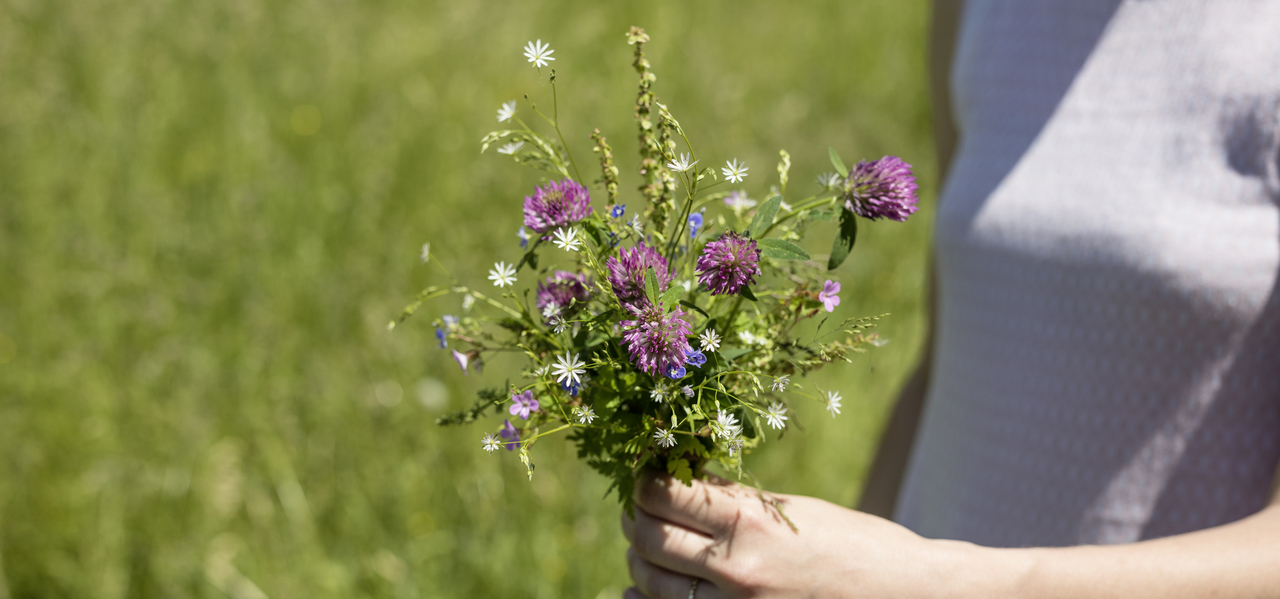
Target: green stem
[{"x": 555, "y": 113}]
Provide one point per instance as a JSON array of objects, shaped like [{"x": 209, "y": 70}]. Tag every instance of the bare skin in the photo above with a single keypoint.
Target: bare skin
[
  {"x": 733, "y": 540},
  {"x": 738, "y": 546}
]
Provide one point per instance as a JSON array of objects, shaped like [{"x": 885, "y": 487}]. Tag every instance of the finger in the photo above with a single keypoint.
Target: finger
[
  {"x": 657, "y": 582},
  {"x": 669, "y": 545},
  {"x": 711, "y": 507},
  {"x": 633, "y": 593}
]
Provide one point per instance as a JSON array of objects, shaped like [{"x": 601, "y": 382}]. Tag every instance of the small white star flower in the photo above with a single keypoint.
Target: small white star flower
[
  {"x": 710, "y": 340},
  {"x": 747, "y": 338},
  {"x": 785, "y": 206},
  {"x": 569, "y": 369},
  {"x": 878, "y": 341},
  {"x": 658, "y": 394},
  {"x": 511, "y": 148},
  {"x": 551, "y": 309},
  {"x": 687, "y": 391},
  {"x": 538, "y": 53},
  {"x": 541, "y": 371},
  {"x": 636, "y": 226},
  {"x": 558, "y": 324},
  {"x": 734, "y": 171},
  {"x": 665, "y": 438},
  {"x": 426, "y": 252},
  {"x": 491, "y": 443},
  {"x": 681, "y": 164},
  {"x": 467, "y": 302},
  {"x": 726, "y": 425},
  {"x": 734, "y": 447},
  {"x": 828, "y": 180},
  {"x": 585, "y": 414},
  {"x": 780, "y": 383},
  {"x": 833, "y": 402},
  {"x": 502, "y": 274},
  {"x": 507, "y": 111},
  {"x": 567, "y": 239},
  {"x": 776, "y": 414}
]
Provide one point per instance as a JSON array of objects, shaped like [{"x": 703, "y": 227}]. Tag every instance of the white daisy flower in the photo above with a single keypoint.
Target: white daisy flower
[
  {"x": 502, "y": 274},
  {"x": 426, "y": 252},
  {"x": 780, "y": 383},
  {"x": 567, "y": 239},
  {"x": 538, "y": 53},
  {"x": 681, "y": 164},
  {"x": 491, "y": 443},
  {"x": 665, "y": 438},
  {"x": 776, "y": 414},
  {"x": 585, "y": 414},
  {"x": 569, "y": 369},
  {"x": 505, "y": 113},
  {"x": 828, "y": 180},
  {"x": 735, "y": 171},
  {"x": 710, "y": 340},
  {"x": 833, "y": 402},
  {"x": 511, "y": 148}
]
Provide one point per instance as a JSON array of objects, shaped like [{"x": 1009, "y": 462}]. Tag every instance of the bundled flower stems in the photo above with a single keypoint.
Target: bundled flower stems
[{"x": 665, "y": 337}]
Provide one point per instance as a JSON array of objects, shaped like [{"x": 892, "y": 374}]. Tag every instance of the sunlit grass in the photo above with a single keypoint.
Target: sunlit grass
[{"x": 209, "y": 211}]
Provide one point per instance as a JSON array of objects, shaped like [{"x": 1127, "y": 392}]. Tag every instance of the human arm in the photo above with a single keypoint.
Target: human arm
[{"x": 734, "y": 539}]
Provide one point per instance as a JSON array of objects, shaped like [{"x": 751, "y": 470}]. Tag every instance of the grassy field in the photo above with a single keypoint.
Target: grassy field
[{"x": 210, "y": 210}]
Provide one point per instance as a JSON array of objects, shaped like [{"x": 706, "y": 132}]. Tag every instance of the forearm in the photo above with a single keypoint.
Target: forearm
[{"x": 1241, "y": 559}]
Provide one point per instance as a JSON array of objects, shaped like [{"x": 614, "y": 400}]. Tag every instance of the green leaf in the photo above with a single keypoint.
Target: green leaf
[
  {"x": 781, "y": 250},
  {"x": 841, "y": 169},
  {"x": 764, "y": 217},
  {"x": 843, "y": 243},
  {"x": 746, "y": 293},
  {"x": 681, "y": 470},
  {"x": 690, "y": 305},
  {"x": 651, "y": 285},
  {"x": 671, "y": 296}
]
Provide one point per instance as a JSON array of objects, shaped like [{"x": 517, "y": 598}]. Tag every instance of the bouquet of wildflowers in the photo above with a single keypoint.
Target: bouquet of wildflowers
[{"x": 665, "y": 337}]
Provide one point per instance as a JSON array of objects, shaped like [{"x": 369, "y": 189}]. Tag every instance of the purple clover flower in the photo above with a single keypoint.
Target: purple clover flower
[
  {"x": 657, "y": 342},
  {"x": 829, "y": 296},
  {"x": 695, "y": 224},
  {"x": 563, "y": 288},
  {"x": 617, "y": 210},
  {"x": 884, "y": 188},
  {"x": 523, "y": 404},
  {"x": 556, "y": 205},
  {"x": 441, "y": 338},
  {"x": 729, "y": 263},
  {"x": 626, "y": 273},
  {"x": 509, "y": 432}
]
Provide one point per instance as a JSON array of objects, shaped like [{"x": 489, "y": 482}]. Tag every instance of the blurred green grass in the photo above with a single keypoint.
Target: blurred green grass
[{"x": 198, "y": 394}]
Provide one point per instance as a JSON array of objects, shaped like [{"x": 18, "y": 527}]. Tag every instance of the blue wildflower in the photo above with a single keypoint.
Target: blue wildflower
[
  {"x": 617, "y": 210},
  {"x": 695, "y": 224},
  {"x": 674, "y": 372},
  {"x": 571, "y": 388},
  {"x": 524, "y": 238},
  {"x": 450, "y": 321},
  {"x": 694, "y": 357},
  {"x": 440, "y": 336}
]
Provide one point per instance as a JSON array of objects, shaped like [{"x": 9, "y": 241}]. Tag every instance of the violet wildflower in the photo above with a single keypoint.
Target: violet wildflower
[
  {"x": 565, "y": 290},
  {"x": 440, "y": 336},
  {"x": 523, "y": 404},
  {"x": 556, "y": 205},
  {"x": 884, "y": 188},
  {"x": 695, "y": 224},
  {"x": 462, "y": 359},
  {"x": 687, "y": 391},
  {"x": 450, "y": 321},
  {"x": 657, "y": 341},
  {"x": 524, "y": 238},
  {"x": 617, "y": 210},
  {"x": 729, "y": 263},
  {"x": 676, "y": 372},
  {"x": 509, "y": 432},
  {"x": 626, "y": 273},
  {"x": 694, "y": 357},
  {"x": 829, "y": 296}
]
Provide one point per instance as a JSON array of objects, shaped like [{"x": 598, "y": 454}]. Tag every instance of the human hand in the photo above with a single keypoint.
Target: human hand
[{"x": 739, "y": 543}]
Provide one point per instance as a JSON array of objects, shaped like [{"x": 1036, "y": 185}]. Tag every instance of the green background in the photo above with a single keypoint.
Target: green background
[{"x": 198, "y": 393}]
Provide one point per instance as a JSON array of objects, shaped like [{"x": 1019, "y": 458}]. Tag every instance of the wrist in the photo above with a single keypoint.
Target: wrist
[{"x": 967, "y": 570}]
